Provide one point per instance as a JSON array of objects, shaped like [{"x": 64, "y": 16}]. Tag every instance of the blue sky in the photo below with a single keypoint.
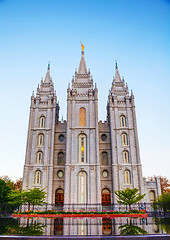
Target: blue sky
[{"x": 135, "y": 33}]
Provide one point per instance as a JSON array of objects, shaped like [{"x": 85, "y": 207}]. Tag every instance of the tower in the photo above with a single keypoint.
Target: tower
[
  {"x": 125, "y": 155},
  {"x": 44, "y": 110},
  {"x": 82, "y": 167}
]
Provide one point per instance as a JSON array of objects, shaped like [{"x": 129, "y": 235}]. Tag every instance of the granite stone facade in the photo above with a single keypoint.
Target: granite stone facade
[{"x": 84, "y": 160}]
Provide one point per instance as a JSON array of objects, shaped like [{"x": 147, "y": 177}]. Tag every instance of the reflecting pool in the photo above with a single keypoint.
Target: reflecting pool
[{"x": 84, "y": 226}]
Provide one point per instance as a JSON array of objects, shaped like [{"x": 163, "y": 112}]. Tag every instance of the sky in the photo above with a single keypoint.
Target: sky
[{"x": 136, "y": 34}]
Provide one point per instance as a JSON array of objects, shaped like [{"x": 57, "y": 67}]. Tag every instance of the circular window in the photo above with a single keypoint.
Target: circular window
[
  {"x": 103, "y": 137},
  {"x": 61, "y": 138},
  {"x": 105, "y": 174},
  {"x": 60, "y": 174}
]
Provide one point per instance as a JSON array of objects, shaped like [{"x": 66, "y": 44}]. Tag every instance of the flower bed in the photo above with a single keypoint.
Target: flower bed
[{"x": 54, "y": 214}]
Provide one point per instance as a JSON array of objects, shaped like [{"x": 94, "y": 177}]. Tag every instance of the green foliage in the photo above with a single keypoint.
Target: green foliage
[
  {"x": 10, "y": 226},
  {"x": 4, "y": 191},
  {"x": 15, "y": 198},
  {"x": 130, "y": 229},
  {"x": 163, "y": 201},
  {"x": 128, "y": 196},
  {"x": 35, "y": 196}
]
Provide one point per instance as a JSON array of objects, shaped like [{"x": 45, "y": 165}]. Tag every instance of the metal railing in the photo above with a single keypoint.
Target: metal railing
[{"x": 151, "y": 208}]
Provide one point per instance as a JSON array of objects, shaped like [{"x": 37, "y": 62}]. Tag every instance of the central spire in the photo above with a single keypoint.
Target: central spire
[{"x": 82, "y": 67}]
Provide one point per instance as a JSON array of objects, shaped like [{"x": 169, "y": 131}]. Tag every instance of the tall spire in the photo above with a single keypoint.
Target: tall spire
[
  {"x": 47, "y": 77},
  {"x": 117, "y": 75},
  {"x": 82, "y": 67}
]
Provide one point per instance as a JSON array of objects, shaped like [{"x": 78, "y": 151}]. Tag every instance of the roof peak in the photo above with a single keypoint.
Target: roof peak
[{"x": 82, "y": 66}]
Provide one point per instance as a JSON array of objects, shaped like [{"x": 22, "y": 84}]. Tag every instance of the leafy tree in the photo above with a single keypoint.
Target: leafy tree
[
  {"x": 163, "y": 201},
  {"x": 15, "y": 198},
  {"x": 4, "y": 191},
  {"x": 8, "y": 181},
  {"x": 35, "y": 196},
  {"x": 128, "y": 196},
  {"x": 18, "y": 185}
]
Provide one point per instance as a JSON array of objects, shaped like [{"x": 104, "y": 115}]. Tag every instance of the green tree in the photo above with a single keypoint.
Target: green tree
[
  {"x": 35, "y": 196},
  {"x": 15, "y": 198},
  {"x": 4, "y": 191},
  {"x": 163, "y": 201},
  {"x": 128, "y": 196}
]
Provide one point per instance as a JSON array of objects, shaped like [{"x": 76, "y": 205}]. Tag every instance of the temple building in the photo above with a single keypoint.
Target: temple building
[{"x": 83, "y": 160}]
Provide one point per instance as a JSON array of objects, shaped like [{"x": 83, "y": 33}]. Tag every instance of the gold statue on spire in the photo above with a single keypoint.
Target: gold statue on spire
[{"x": 82, "y": 46}]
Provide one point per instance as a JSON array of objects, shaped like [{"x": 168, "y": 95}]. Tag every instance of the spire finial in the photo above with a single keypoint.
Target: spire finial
[
  {"x": 48, "y": 65},
  {"x": 116, "y": 64},
  {"x": 82, "y": 47}
]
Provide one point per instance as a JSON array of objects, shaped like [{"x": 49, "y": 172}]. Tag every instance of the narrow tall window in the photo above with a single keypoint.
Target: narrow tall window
[
  {"x": 123, "y": 121},
  {"x": 125, "y": 156},
  {"x": 82, "y": 186},
  {"x": 40, "y": 139},
  {"x": 82, "y": 117},
  {"x": 124, "y": 139},
  {"x": 42, "y": 122},
  {"x": 104, "y": 160},
  {"x": 82, "y": 148},
  {"x": 39, "y": 157},
  {"x": 38, "y": 177},
  {"x": 127, "y": 177}
]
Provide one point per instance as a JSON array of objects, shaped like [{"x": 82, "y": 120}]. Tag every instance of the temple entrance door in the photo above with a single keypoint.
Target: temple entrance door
[
  {"x": 59, "y": 197},
  {"x": 106, "y": 199}
]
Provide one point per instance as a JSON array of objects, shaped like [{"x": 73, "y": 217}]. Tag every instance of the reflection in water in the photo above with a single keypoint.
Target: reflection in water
[
  {"x": 164, "y": 223},
  {"x": 84, "y": 226},
  {"x": 106, "y": 226},
  {"x": 130, "y": 229},
  {"x": 12, "y": 226},
  {"x": 58, "y": 226}
]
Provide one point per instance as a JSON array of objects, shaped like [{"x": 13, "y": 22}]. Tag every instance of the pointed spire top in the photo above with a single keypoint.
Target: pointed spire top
[
  {"x": 117, "y": 75},
  {"x": 48, "y": 66},
  {"x": 116, "y": 64},
  {"x": 82, "y": 67},
  {"x": 47, "y": 77}
]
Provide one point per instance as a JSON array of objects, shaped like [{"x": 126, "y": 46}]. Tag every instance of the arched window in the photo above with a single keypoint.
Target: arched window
[
  {"x": 124, "y": 139},
  {"x": 38, "y": 177},
  {"x": 60, "y": 160},
  {"x": 125, "y": 156},
  {"x": 42, "y": 122},
  {"x": 82, "y": 117},
  {"x": 82, "y": 148},
  {"x": 82, "y": 187},
  {"x": 123, "y": 121},
  {"x": 106, "y": 199},
  {"x": 152, "y": 195},
  {"x": 41, "y": 139},
  {"x": 127, "y": 177},
  {"x": 104, "y": 160},
  {"x": 39, "y": 157},
  {"x": 59, "y": 197}
]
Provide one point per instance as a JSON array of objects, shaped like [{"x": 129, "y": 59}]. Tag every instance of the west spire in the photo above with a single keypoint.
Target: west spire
[
  {"x": 82, "y": 67},
  {"x": 47, "y": 77}
]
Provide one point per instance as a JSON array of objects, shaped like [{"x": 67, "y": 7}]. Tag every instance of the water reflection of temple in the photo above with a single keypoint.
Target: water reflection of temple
[{"x": 95, "y": 226}]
